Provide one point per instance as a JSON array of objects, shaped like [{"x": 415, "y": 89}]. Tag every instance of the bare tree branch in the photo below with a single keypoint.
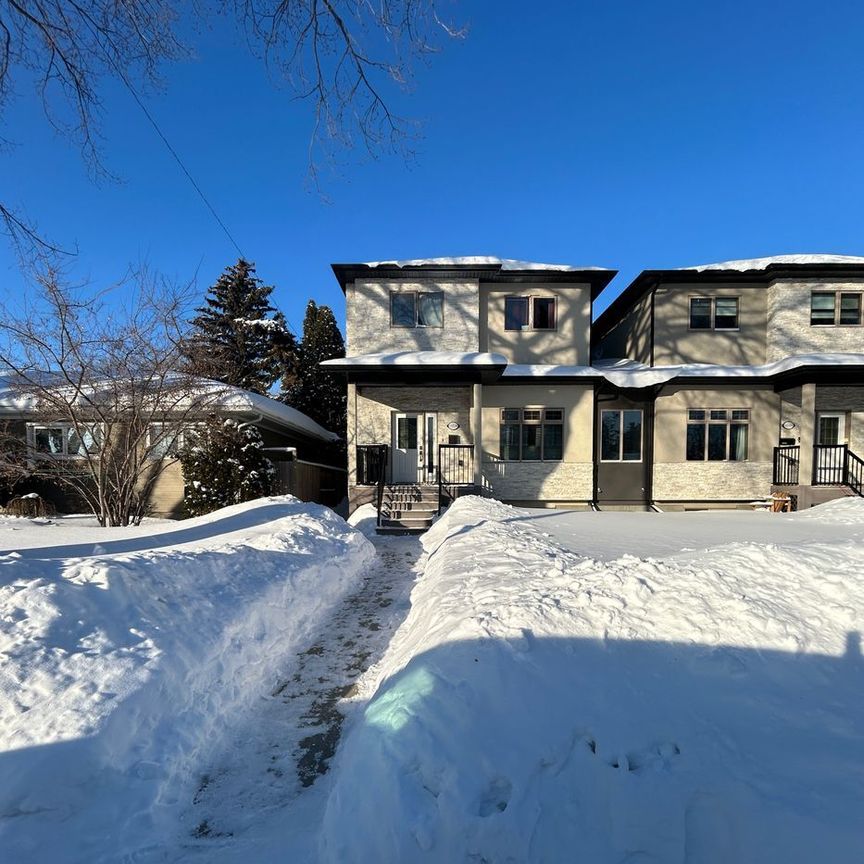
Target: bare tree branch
[{"x": 99, "y": 397}]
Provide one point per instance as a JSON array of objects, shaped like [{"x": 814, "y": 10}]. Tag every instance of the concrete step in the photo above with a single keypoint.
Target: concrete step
[{"x": 397, "y": 531}]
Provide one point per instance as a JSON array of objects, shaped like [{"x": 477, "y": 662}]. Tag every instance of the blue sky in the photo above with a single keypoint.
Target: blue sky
[{"x": 619, "y": 134}]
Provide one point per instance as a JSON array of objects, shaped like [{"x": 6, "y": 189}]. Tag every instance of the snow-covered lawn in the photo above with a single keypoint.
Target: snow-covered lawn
[
  {"x": 552, "y": 697},
  {"x": 128, "y": 657},
  {"x": 535, "y": 686}
]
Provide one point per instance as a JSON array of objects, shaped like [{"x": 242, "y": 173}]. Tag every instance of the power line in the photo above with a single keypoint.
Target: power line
[
  {"x": 183, "y": 168},
  {"x": 128, "y": 84}
]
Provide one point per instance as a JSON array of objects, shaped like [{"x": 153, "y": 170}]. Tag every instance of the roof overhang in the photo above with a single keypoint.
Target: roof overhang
[{"x": 596, "y": 278}]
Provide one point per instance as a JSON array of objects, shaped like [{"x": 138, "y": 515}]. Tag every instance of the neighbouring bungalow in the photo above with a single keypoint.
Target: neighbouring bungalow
[
  {"x": 702, "y": 387},
  {"x": 302, "y": 451}
]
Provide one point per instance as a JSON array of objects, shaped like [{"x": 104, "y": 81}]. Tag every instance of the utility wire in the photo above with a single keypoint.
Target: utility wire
[{"x": 128, "y": 84}]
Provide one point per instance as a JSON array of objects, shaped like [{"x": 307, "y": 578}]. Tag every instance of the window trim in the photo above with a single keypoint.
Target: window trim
[
  {"x": 416, "y": 295},
  {"x": 67, "y": 429},
  {"x": 708, "y": 421},
  {"x": 540, "y": 423},
  {"x": 530, "y": 298},
  {"x": 621, "y": 460},
  {"x": 838, "y": 294},
  {"x": 713, "y": 298},
  {"x": 179, "y": 441}
]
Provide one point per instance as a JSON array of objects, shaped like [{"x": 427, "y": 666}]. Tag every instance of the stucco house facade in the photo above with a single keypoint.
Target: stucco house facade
[{"x": 702, "y": 387}]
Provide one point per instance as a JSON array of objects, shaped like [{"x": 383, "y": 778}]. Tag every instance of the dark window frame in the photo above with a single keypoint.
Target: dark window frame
[
  {"x": 838, "y": 296},
  {"x": 540, "y": 423},
  {"x": 712, "y": 301},
  {"x": 530, "y": 300},
  {"x": 706, "y": 422},
  {"x": 416, "y": 295},
  {"x": 620, "y": 458}
]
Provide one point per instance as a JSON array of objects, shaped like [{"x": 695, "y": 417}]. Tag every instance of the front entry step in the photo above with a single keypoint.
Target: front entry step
[{"x": 408, "y": 508}]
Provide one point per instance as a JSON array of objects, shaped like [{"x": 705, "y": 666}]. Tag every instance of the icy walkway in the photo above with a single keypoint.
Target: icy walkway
[{"x": 261, "y": 796}]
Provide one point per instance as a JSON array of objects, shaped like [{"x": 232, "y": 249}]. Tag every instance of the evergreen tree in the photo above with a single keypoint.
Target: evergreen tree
[
  {"x": 237, "y": 336},
  {"x": 314, "y": 390},
  {"x": 224, "y": 464}
]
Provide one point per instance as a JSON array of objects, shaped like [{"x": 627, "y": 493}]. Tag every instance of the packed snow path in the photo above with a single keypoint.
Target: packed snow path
[{"x": 299, "y": 723}]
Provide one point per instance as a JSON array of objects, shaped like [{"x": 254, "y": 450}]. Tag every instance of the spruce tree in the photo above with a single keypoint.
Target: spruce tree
[
  {"x": 314, "y": 390},
  {"x": 238, "y": 337},
  {"x": 224, "y": 464}
]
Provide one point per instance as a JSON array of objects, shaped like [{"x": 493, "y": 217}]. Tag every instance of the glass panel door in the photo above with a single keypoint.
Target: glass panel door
[{"x": 405, "y": 448}]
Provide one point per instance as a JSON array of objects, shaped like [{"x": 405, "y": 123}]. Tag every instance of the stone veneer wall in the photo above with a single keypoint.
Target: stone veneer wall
[
  {"x": 368, "y": 329},
  {"x": 711, "y": 481},
  {"x": 789, "y": 329},
  {"x": 540, "y": 481}
]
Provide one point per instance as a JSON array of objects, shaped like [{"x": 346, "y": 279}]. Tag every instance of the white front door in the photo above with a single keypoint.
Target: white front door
[
  {"x": 406, "y": 447},
  {"x": 830, "y": 430}
]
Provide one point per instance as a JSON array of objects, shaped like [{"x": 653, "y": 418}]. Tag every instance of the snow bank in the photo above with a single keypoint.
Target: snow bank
[
  {"x": 478, "y": 261},
  {"x": 128, "y": 661},
  {"x": 538, "y": 705}
]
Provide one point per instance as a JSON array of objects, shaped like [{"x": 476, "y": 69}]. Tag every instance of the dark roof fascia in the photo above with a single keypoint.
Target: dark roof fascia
[
  {"x": 422, "y": 376},
  {"x": 648, "y": 279},
  {"x": 540, "y": 381},
  {"x": 598, "y": 279}
]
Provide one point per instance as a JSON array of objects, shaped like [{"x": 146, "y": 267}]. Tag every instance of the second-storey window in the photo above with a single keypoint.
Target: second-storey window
[
  {"x": 532, "y": 434},
  {"x": 718, "y": 434},
  {"x": 835, "y": 307},
  {"x": 713, "y": 313},
  {"x": 530, "y": 313},
  {"x": 416, "y": 309}
]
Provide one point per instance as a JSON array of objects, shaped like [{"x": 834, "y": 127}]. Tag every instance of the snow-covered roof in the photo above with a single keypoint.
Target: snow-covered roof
[
  {"x": 421, "y": 358},
  {"x": 628, "y": 373},
  {"x": 236, "y": 399},
  {"x": 225, "y": 397},
  {"x": 762, "y": 263},
  {"x": 478, "y": 261}
]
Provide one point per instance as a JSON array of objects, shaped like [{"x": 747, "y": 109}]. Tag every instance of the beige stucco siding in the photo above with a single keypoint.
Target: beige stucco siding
[
  {"x": 676, "y": 479},
  {"x": 631, "y": 338},
  {"x": 368, "y": 318},
  {"x": 675, "y": 342},
  {"x": 568, "y": 344},
  {"x": 789, "y": 328},
  {"x": 568, "y": 480}
]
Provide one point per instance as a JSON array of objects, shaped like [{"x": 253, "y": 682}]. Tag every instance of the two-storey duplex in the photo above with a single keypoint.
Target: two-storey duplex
[
  {"x": 700, "y": 387},
  {"x": 756, "y": 377},
  {"x": 440, "y": 352}
]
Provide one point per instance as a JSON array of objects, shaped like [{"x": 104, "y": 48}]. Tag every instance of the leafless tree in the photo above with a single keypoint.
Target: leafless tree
[
  {"x": 341, "y": 55},
  {"x": 94, "y": 402}
]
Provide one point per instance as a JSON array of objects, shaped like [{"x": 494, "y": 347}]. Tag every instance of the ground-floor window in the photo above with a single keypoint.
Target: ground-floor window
[
  {"x": 63, "y": 439},
  {"x": 718, "y": 434},
  {"x": 532, "y": 434},
  {"x": 621, "y": 435}
]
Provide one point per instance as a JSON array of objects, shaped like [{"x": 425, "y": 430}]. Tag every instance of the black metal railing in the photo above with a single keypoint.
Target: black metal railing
[
  {"x": 855, "y": 473},
  {"x": 829, "y": 464},
  {"x": 371, "y": 464},
  {"x": 786, "y": 463},
  {"x": 455, "y": 469},
  {"x": 372, "y": 471}
]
